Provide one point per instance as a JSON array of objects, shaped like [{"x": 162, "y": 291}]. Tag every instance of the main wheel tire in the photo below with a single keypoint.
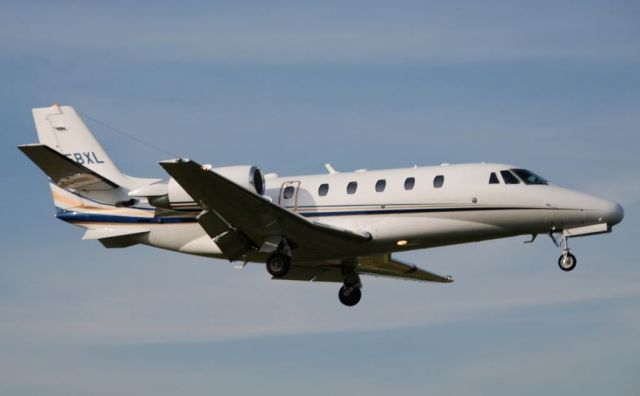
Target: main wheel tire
[
  {"x": 349, "y": 295},
  {"x": 278, "y": 265},
  {"x": 567, "y": 262}
]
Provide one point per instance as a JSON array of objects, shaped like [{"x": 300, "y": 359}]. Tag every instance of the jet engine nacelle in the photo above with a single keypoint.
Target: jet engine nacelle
[{"x": 169, "y": 194}]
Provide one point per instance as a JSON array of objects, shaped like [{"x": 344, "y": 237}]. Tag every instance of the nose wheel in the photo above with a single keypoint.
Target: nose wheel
[{"x": 567, "y": 261}]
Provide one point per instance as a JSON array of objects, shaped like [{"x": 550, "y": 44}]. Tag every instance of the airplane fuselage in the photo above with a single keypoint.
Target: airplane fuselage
[{"x": 402, "y": 209}]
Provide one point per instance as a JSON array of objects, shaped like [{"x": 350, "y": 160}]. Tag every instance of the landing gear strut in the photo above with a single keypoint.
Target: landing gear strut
[{"x": 567, "y": 261}]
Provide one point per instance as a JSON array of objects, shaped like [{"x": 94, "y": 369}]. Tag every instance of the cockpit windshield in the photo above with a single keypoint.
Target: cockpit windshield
[{"x": 529, "y": 177}]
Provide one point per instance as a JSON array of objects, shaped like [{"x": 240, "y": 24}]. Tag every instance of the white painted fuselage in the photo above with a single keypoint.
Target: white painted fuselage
[{"x": 464, "y": 208}]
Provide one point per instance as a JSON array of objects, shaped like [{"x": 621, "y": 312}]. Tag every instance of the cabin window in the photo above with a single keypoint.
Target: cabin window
[
  {"x": 288, "y": 192},
  {"x": 380, "y": 185},
  {"x": 438, "y": 181},
  {"x": 493, "y": 179},
  {"x": 529, "y": 177},
  {"x": 323, "y": 189},
  {"x": 352, "y": 187},
  {"x": 409, "y": 183},
  {"x": 509, "y": 178}
]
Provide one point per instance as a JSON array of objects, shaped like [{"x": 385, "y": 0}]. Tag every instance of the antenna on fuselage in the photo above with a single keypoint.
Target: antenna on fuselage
[{"x": 330, "y": 169}]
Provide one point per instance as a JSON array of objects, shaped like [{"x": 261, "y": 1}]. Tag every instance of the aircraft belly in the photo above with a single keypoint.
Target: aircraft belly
[
  {"x": 202, "y": 245},
  {"x": 421, "y": 230},
  {"x": 442, "y": 228},
  {"x": 431, "y": 228},
  {"x": 185, "y": 238}
]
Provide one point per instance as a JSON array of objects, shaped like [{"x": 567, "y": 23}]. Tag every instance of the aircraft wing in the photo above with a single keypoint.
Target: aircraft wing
[
  {"x": 379, "y": 265},
  {"x": 239, "y": 220},
  {"x": 390, "y": 267}
]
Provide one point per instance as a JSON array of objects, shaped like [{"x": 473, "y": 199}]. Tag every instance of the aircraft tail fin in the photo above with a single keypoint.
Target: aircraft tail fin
[
  {"x": 74, "y": 160},
  {"x": 82, "y": 175},
  {"x": 62, "y": 129},
  {"x": 87, "y": 188}
]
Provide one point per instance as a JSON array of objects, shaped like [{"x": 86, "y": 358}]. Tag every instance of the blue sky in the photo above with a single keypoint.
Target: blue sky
[{"x": 553, "y": 86}]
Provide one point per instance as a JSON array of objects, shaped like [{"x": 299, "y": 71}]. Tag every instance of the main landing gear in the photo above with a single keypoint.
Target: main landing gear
[
  {"x": 567, "y": 261},
  {"x": 278, "y": 265},
  {"x": 350, "y": 294},
  {"x": 279, "y": 262}
]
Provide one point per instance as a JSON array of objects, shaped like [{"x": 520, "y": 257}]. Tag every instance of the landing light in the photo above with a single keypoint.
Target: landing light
[{"x": 401, "y": 242}]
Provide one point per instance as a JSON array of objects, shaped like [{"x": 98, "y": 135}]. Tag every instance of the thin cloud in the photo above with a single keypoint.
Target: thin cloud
[{"x": 335, "y": 33}]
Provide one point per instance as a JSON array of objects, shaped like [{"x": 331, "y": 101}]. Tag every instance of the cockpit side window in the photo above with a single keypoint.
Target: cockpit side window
[
  {"x": 493, "y": 179},
  {"x": 529, "y": 177},
  {"x": 509, "y": 178}
]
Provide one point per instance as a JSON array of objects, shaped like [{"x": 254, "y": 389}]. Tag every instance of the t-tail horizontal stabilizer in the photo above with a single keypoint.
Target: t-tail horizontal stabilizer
[{"x": 64, "y": 172}]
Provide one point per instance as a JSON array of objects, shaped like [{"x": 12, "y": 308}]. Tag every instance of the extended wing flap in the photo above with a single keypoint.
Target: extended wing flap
[
  {"x": 232, "y": 243},
  {"x": 64, "y": 172}
]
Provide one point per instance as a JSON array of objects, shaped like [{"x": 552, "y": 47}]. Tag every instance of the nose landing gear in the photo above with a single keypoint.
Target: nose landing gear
[{"x": 567, "y": 261}]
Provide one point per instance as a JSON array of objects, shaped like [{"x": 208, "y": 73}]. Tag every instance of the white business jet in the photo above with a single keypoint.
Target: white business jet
[{"x": 329, "y": 227}]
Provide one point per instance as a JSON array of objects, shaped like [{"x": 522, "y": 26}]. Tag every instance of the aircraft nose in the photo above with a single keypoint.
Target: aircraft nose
[{"x": 615, "y": 214}]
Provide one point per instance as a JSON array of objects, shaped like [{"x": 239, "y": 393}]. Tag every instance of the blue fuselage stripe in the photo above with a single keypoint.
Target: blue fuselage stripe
[
  {"x": 71, "y": 216},
  {"x": 78, "y": 217},
  {"x": 402, "y": 211}
]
